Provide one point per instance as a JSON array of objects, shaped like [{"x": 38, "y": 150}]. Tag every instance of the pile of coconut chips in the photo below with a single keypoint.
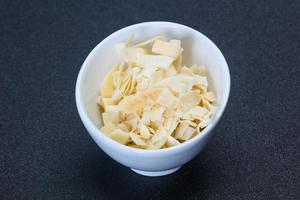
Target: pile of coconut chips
[{"x": 150, "y": 100}]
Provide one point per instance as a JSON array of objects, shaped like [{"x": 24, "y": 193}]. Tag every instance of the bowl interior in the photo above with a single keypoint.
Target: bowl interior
[{"x": 197, "y": 50}]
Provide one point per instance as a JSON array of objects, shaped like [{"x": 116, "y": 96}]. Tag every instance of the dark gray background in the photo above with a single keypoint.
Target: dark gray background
[{"x": 45, "y": 152}]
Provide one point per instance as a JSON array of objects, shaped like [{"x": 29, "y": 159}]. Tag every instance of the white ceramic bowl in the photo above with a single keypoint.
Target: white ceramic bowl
[{"x": 198, "y": 49}]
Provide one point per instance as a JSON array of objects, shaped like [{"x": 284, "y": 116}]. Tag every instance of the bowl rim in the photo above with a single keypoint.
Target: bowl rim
[{"x": 92, "y": 129}]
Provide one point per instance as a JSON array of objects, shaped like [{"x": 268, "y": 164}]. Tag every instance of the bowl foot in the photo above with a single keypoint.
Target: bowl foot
[{"x": 156, "y": 173}]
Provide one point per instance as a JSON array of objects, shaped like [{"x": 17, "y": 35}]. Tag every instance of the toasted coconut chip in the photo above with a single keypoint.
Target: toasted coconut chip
[
  {"x": 119, "y": 136},
  {"x": 169, "y": 112},
  {"x": 205, "y": 121},
  {"x": 198, "y": 112},
  {"x": 130, "y": 116},
  {"x": 146, "y": 118},
  {"x": 157, "y": 125},
  {"x": 117, "y": 78},
  {"x": 112, "y": 108},
  {"x": 132, "y": 103},
  {"x": 142, "y": 85},
  {"x": 108, "y": 102},
  {"x": 132, "y": 123},
  {"x": 111, "y": 115},
  {"x": 126, "y": 87},
  {"x": 178, "y": 84},
  {"x": 188, "y": 134},
  {"x": 158, "y": 140},
  {"x": 185, "y": 70},
  {"x": 151, "y": 94},
  {"x": 171, "y": 124},
  {"x": 191, "y": 123},
  {"x": 177, "y": 63},
  {"x": 138, "y": 140},
  {"x": 208, "y": 105},
  {"x": 200, "y": 82},
  {"x": 166, "y": 98},
  {"x": 138, "y": 102},
  {"x": 181, "y": 129},
  {"x": 123, "y": 127},
  {"x": 171, "y": 48},
  {"x": 130, "y": 54},
  {"x": 185, "y": 115},
  {"x": 154, "y": 61},
  {"x": 190, "y": 100},
  {"x": 108, "y": 128},
  {"x": 198, "y": 70},
  {"x": 142, "y": 44},
  {"x": 171, "y": 141},
  {"x": 156, "y": 113},
  {"x": 107, "y": 87},
  {"x": 144, "y": 131}
]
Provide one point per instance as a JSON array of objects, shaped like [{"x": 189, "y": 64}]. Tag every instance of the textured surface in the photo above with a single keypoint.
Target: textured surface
[{"x": 45, "y": 152}]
